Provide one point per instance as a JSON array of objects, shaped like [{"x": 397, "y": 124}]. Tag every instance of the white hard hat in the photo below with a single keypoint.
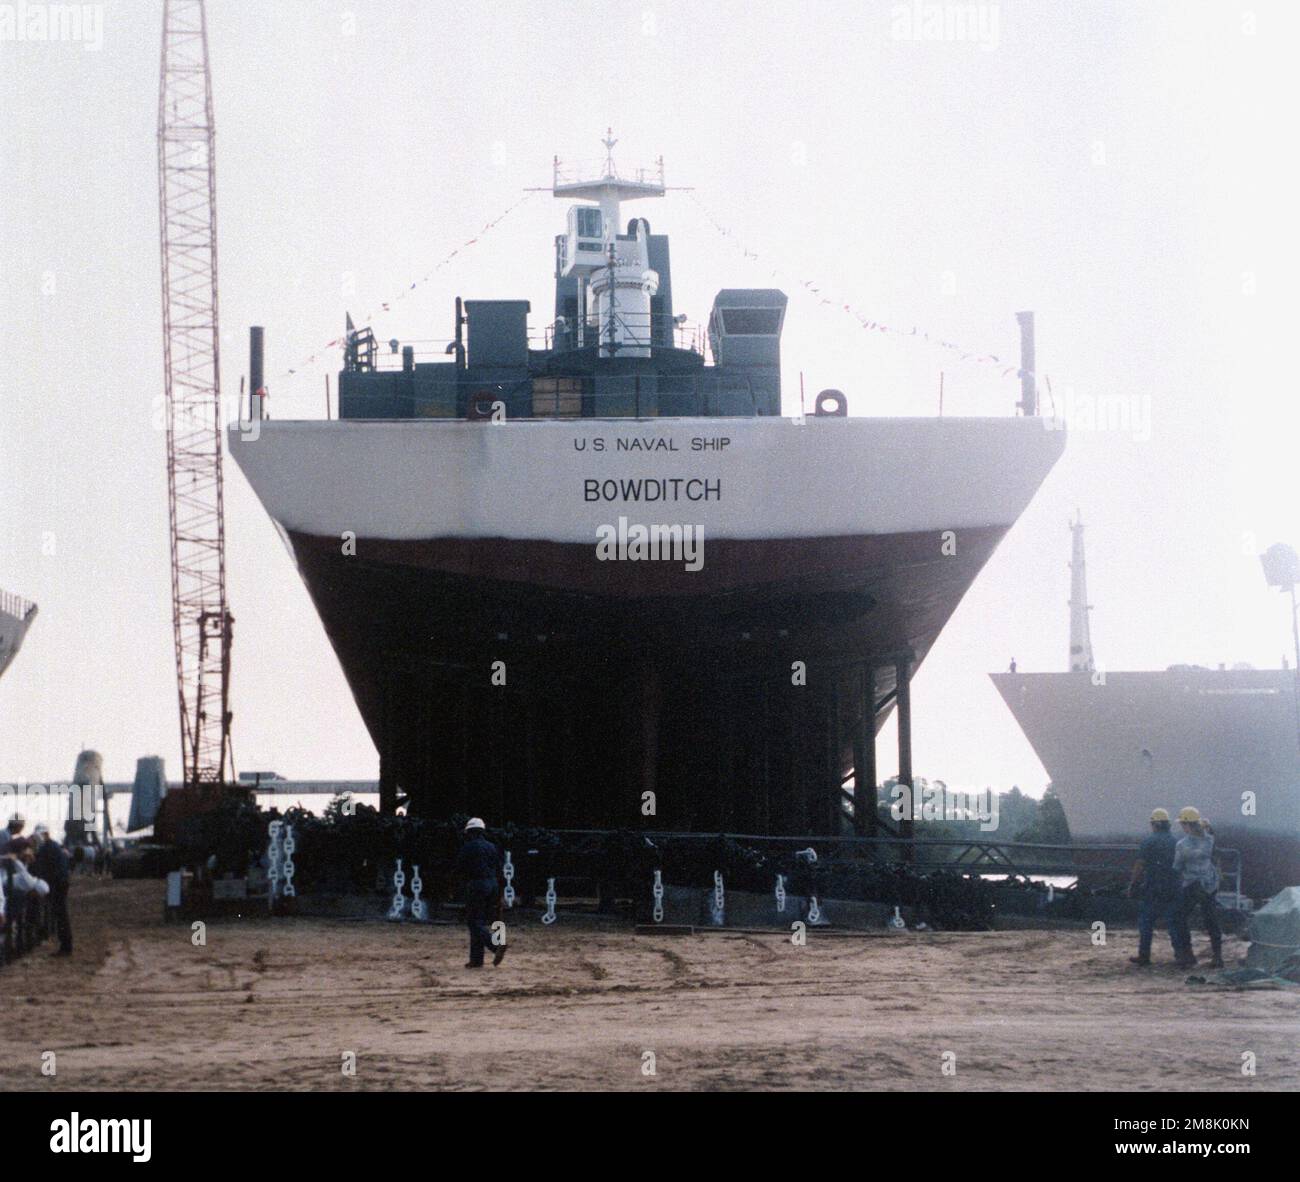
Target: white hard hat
[{"x": 474, "y": 823}]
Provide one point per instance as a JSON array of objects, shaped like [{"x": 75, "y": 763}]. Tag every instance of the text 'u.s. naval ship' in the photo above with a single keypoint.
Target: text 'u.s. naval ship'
[{"x": 564, "y": 573}]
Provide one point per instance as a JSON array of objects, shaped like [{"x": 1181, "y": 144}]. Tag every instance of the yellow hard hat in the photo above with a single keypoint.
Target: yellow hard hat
[
  {"x": 1189, "y": 815},
  {"x": 1160, "y": 814}
]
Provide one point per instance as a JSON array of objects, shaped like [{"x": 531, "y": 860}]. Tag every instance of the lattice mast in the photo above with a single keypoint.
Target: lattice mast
[{"x": 201, "y": 619}]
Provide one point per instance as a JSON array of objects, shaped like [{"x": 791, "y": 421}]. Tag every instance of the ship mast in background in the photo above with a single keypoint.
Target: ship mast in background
[
  {"x": 1080, "y": 633},
  {"x": 201, "y": 618}
]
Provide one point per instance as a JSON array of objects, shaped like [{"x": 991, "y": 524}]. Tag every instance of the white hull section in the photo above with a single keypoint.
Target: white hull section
[
  {"x": 1140, "y": 741},
  {"x": 559, "y": 480}
]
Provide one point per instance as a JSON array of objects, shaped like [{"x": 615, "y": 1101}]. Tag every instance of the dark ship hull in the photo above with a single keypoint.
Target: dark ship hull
[{"x": 608, "y": 695}]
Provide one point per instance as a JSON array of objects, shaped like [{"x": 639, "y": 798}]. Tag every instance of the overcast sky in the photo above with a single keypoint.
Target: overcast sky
[{"x": 1123, "y": 169}]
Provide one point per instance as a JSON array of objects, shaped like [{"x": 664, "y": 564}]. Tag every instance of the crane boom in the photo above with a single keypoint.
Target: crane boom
[{"x": 201, "y": 619}]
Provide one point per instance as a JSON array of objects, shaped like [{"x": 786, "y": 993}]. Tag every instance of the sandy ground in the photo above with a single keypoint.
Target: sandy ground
[{"x": 277, "y": 1003}]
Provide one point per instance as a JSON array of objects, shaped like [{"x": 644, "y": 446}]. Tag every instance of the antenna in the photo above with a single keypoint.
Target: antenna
[
  {"x": 1028, "y": 404},
  {"x": 609, "y": 141},
  {"x": 1080, "y": 634}
]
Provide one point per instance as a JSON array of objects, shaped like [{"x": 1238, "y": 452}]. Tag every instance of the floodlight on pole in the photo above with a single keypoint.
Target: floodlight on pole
[{"x": 1282, "y": 570}]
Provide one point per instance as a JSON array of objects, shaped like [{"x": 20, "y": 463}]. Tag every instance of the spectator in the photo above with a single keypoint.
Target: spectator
[
  {"x": 1199, "y": 880},
  {"x": 10, "y": 835},
  {"x": 53, "y": 865},
  {"x": 24, "y": 892},
  {"x": 21, "y": 855}
]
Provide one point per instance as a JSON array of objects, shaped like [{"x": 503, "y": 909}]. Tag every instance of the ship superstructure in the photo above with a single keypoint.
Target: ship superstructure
[{"x": 593, "y": 577}]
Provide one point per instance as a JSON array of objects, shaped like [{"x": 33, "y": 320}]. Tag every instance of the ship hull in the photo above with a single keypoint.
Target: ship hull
[
  {"x": 1225, "y": 741},
  {"x": 504, "y": 667},
  {"x": 546, "y": 703},
  {"x": 16, "y": 618}
]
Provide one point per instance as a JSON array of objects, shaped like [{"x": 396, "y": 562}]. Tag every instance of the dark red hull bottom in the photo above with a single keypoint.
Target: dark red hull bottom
[{"x": 625, "y": 679}]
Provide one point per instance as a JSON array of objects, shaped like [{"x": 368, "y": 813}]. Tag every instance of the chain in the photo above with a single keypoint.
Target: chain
[
  {"x": 780, "y": 892},
  {"x": 719, "y": 898},
  {"x": 549, "y": 917},
  {"x": 289, "y": 846},
  {"x": 399, "y": 881},
  {"x": 508, "y": 871},
  {"x": 658, "y": 893},
  {"x": 417, "y": 885},
  {"x": 274, "y": 830}
]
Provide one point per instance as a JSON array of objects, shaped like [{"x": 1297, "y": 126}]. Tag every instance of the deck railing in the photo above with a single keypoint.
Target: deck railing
[
  {"x": 1106, "y": 865},
  {"x": 15, "y": 605},
  {"x": 652, "y": 330},
  {"x": 593, "y": 170}
]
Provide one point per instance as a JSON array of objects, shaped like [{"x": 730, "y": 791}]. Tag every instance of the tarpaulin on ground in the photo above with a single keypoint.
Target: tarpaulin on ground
[{"x": 1274, "y": 933}]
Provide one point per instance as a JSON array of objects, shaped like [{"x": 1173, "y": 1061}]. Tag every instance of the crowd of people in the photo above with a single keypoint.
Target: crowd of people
[
  {"x": 34, "y": 877},
  {"x": 1177, "y": 879}
]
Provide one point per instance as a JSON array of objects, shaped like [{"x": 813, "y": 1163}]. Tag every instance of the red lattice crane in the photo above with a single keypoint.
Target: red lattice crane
[{"x": 201, "y": 617}]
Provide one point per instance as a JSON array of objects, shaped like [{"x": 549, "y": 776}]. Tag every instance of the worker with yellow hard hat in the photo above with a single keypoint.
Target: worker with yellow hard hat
[
  {"x": 1198, "y": 879},
  {"x": 1154, "y": 874}
]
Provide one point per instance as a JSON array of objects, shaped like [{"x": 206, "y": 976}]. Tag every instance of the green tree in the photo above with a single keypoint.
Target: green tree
[{"x": 1049, "y": 826}]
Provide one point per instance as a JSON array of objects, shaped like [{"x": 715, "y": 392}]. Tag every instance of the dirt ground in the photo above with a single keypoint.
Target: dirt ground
[{"x": 278, "y": 1003}]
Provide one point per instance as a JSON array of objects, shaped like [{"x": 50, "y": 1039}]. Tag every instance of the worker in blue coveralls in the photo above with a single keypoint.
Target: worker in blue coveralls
[
  {"x": 1154, "y": 872},
  {"x": 478, "y": 867}
]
